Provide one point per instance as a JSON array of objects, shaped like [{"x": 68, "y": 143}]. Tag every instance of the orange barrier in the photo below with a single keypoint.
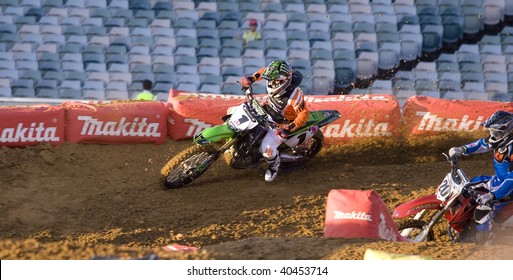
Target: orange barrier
[
  {"x": 186, "y": 114},
  {"x": 119, "y": 123},
  {"x": 362, "y": 115},
  {"x": 191, "y": 112},
  {"x": 30, "y": 125},
  {"x": 374, "y": 115},
  {"x": 427, "y": 115}
]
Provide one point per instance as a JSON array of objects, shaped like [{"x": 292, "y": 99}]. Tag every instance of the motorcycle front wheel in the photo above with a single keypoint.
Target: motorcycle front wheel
[
  {"x": 411, "y": 228},
  {"x": 188, "y": 165}
]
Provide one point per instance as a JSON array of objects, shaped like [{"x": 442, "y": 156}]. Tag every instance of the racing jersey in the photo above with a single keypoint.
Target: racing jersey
[
  {"x": 290, "y": 106},
  {"x": 501, "y": 185}
]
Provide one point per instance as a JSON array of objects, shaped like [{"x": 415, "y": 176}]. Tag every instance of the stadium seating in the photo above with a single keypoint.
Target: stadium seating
[{"x": 103, "y": 49}]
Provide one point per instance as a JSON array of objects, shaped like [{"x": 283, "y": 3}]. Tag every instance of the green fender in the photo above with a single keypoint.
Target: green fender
[{"x": 214, "y": 134}]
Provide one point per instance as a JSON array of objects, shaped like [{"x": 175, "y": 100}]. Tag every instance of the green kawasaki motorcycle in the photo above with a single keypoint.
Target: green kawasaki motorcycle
[{"x": 238, "y": 139}]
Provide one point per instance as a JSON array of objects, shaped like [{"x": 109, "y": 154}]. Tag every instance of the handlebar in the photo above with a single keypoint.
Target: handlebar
[
  {"x": 470, "y": 189},
  {"x": 248, "y": 91},
  {"x": 452, "y": 160}
]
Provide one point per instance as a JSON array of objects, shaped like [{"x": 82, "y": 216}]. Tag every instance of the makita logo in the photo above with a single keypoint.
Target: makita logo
[
  {"x": 135, "y": 128},
  {"x": 352, "y": 216},
  {"x": 364, "y": 128},
  {"x": 431, "y": 122},
  {"x": 196, "y": 127},
  {"x": 308, "y": 98},
  {"x": 36, "y": 132},
  {"x": 383, "y": 231},
  {"x": 339, "y": 98}
]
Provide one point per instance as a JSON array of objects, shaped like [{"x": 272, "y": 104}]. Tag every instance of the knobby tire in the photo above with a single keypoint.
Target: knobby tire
[
  {"x": 187, "y": 165},
  {"x": 415, "y": 224}
]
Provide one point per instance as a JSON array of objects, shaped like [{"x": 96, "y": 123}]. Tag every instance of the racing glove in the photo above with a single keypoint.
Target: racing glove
[
  {"x": 485, "y": 198},
  {"x": 456, "y": 152},
  {"x": 480, "y": 186},
  {"x": 284, "y": 132},
  {"x": 247, "y": 81}
]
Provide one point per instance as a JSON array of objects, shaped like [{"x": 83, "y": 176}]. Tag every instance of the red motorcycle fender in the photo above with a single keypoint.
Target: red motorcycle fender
[{"x": 412, "y": 207}]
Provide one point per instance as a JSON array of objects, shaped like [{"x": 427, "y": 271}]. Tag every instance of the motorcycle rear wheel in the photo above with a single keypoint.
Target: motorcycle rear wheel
[
  {"x": 188, "y": 165},
  {"x": 415, "y": 226}
]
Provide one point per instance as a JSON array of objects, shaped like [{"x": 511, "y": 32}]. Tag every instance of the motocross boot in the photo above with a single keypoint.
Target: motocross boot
[
  {"x": 228, "y": 155},
  {"x": 272, "y": 170}
]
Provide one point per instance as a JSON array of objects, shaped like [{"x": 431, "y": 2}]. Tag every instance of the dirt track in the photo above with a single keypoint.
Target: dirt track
[{"x": 77, "y": 201}]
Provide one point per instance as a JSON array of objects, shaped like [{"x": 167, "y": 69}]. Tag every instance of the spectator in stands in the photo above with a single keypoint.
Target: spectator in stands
[
  {"x": 252, "y": 33},
  {"x": 285, "y": 105},
  {"x": 146, "y": 94}
]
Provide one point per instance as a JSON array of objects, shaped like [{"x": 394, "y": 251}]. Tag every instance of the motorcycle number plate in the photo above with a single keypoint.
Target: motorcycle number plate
[
  {"x": 444, "y": 190},
  {"x": 239, "y": 121}
]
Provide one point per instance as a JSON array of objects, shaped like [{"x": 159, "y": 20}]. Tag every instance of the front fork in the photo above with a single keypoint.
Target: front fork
[
  {"x": 418, "y": 216},
  {"x": 427, "y": 227}
]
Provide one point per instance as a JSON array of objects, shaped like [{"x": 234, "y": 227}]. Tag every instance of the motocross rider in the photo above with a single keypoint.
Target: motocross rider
[
  {"x": 500, "y": 125},
  {"x": 285, "y": 105}
]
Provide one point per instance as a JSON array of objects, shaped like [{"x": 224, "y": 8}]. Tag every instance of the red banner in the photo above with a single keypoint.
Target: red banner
[
  {"x": 362, "y": 115},
  {"x": 427, "y": 115},
  {"x": 191, "y": 113},
  {"x": 359, "y": 214},
  {"x": 375, "y": 115},
  {"x": 119, "y": 123},
  {"x": 30, "y": 125}
]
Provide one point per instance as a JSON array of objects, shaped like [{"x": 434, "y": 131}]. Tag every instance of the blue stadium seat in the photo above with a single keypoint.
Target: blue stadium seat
[
  {"x": 249, "y": 7},
  {"x": 7, "y": 28},
  {"x": 493, "y": 11},
  {"x": 366, "y": 65},
  {"x": 271, "y": 7},
  {"x": 344, "y": 77},
  {"x": 452, "y": 29},
  {"x": 48, "y": 4},
  {"x": 210, "y": 88},
  {"x": 162, "y": 6},
  {"x": 33, "y": 75},
  {"x": 139, "y": 5},
  {"x": 5, "y": 92},
  {"x": 116, "y": 95},
  {"x": 233, "y": 89},
  {"x": 431, "y": 38},
  {"x": 472, "y": 19},
  {"x": 388, "y": 56},
  {"x": 294, "y": 8}
]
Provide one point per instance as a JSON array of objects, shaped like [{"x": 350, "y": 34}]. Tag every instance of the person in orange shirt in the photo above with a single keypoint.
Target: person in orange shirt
[{"x": 285, "y": 106}]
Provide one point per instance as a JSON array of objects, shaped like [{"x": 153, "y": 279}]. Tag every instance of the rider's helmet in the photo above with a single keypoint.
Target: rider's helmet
[
  {"x": 279, "y": 76},
  {"x": 500, "y": 125}
]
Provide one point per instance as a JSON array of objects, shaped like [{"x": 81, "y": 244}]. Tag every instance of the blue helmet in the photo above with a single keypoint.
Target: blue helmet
[{"x": 500, "y": 125}]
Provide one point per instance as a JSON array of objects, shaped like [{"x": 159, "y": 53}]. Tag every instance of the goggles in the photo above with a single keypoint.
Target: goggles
[
  {"x": 497, "y": 133},
  {"x": 276, "y": 83}
]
